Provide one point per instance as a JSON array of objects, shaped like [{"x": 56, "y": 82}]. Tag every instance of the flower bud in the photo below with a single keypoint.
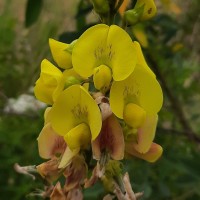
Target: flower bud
[
  {"x": 131, "y": 17},
  {"x": 149, "y": 9},
  {"x": 102, "y": 78},
  {"x": 134, "y": 115}
]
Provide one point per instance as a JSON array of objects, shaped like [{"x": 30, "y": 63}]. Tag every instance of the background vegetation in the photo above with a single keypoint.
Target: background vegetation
[{"x": 172, "y": 52}]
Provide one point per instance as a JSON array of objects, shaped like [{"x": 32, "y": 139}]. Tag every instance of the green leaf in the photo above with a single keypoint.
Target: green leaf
[{"x": 33, "y": 9}]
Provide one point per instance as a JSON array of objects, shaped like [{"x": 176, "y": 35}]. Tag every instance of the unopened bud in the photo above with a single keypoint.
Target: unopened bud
[
  {"x": 131, "y": 17},
  {"x": 149, "y": 9}
]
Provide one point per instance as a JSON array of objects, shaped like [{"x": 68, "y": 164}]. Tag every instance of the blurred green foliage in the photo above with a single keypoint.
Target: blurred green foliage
[{"x": 176, "y": 175}]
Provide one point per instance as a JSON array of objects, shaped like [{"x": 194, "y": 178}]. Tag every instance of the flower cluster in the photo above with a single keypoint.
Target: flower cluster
[{"x": 103, "y": 103}]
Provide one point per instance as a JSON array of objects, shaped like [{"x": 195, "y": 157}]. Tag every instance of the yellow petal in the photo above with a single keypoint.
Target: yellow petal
[
  {"x": 73, "y": 107},
  {"x": 152, "y": 155},
  {"x": 102, "y": 78},
  {"x": 140, "y": 88},
  {"x": 134, "y": 115},
  {"x": 50, "y": 83},
  {"x": 140, "y": 58},
  {"x": 67, "y": 157},
  {"x": 50, "y": 143},
  {"x": 78, "y": 137},
  {"x": 49, "y": 70},
  {"x": 146, "y": 134},
  {"x": 123, "y": 59},
  {"x": 102, "y": 44},
  {"x": 60, "y": 54},
  {"x": 83, "y": 55},
  {"x": 43, "y": 93}
]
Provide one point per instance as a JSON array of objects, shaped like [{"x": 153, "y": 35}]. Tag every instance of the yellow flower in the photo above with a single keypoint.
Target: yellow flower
[
  {"x": 139, "y": 88},
  {"x": 50, "y": 144},
  {"x": 50, "y": 83},
  {"x": 61, "y": 53},
  {"x": 76, "y": 116},
  {"x": 109, "y": 46},
  {"x": 137, "y": 100}
]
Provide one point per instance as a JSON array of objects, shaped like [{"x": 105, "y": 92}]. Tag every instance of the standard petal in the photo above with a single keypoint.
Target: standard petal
[
  {"x": 152, "y": 155},
  {"x": 146, "y": 134},
  {"x": 121, "y": 53},
  {"x": 87, "y": 49},
  {"x": 50, "y": 143},
  {"x": 140, "y": 58},
  {"x": 110, "y": 46},
  {"x": 60, "y": 54},
  {"x": 140, "y": 88},
  {"x": 73, "y": 107}
]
